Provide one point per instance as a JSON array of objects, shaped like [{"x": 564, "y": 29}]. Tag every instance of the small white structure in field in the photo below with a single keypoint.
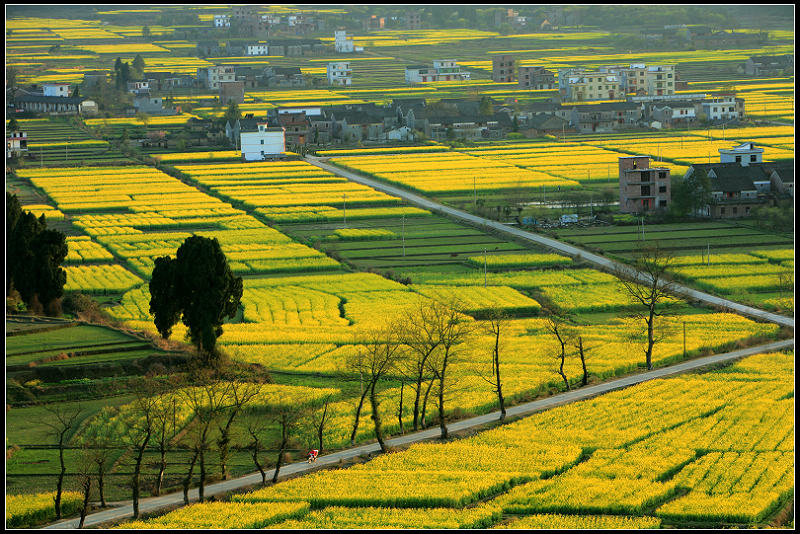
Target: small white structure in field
[{"x": 263, "y": 141}]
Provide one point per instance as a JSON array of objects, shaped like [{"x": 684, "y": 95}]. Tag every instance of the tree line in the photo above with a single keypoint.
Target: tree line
[{"x": 34, "y": 254}]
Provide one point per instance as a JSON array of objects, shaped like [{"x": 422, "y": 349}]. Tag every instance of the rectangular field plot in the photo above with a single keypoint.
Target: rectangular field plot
[
  {"x": 292, "y": 305},
  {"x": 396, "y": 489},
  {"x": 593, "y": 522},
  {"x": 587, "y": 495},
  {"x": 450, "y": 174},
  {"x": 345, "y": 517},
  {"x": 477, "y": 301},
  {"x": 100, "y": 279}
]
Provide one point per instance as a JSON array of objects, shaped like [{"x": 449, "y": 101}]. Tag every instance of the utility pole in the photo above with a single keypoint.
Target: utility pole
[
  {"x": 484, "y": 267},
  {"x": 474, "y": 193},
  {"x": 684, "y": 339},
  {"x": 344, "y": 208},
  {"x": 642, "y": 228},
  {"x": 708, "y": 254},
  {"x": 404, "y": 236}
]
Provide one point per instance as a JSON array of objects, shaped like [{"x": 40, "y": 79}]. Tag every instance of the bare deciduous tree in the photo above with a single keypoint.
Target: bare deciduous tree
[
  {"x": 257, "y": 425},
  {"x": 375, "y": 361},
  {"x": 582, "y": 353},
  {"x": 650, "y": 289},
  {"x": 63, "y": 422},
  {"x": 85, "y": 463},
  {"x": 495, "y": 325},
  {"x": 240, "y": 395},
  {"x": 418, "y": 335},
  {"x": 555, "y": 325},
  {"x": 287, "y": 413},
  {"x": 141, "y": 425},
  {"x": 208, "y": 401},
  {"x": 320, "y": 412},
  {"x": 452, "y": 328}
]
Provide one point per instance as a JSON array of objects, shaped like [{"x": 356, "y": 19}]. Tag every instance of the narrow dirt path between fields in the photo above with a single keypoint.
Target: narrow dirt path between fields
[
  {"x": 578, "y": 253},
  {"x": 150, "y": 505}
]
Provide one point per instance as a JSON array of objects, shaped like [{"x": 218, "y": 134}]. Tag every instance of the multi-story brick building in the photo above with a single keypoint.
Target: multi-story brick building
[
  {"x": 503, "y": 68},
  {"x": 642, "y": 188},
  {"x": 578, "y": 85}
]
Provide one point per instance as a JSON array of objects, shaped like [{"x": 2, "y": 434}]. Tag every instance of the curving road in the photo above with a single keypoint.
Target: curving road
[
  {"x": 578, "y": 253},
  {"x": 152, "y": 504}
]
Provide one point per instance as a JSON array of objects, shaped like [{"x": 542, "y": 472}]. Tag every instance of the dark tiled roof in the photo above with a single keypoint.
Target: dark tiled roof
[
  {"x": 607, "y": 106},
  {"x": 287, "y": 71},
  {"x": 51, "y": 99}
]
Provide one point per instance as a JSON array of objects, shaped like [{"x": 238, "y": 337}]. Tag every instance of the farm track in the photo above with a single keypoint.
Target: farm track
[
  {"x": 219, "y": 489},
  {"x": 599, "y": 261}
]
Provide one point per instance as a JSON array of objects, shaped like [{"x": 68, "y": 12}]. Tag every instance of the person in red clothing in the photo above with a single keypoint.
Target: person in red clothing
[{"x": 312, "y": 456}]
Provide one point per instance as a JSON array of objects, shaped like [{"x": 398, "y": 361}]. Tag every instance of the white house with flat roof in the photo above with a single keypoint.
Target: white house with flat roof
[
  {"x": 55, "y": 89},
  {"x": 340, "y": 73},
  {"x": 744, "y": 154},
  {"x": 262, "y": 141}
]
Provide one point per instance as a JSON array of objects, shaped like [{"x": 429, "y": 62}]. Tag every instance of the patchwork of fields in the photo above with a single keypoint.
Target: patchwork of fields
[
  {"x": 328, "y": 264},
  {"x": 644, "y": 455}
]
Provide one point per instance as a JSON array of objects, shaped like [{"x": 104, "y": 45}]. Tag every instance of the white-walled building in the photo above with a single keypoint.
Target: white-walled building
[
  {"x": 340, "y": 73},
  {"x": 262, "y": 141},
  {"x": 744, "y": 154},
  {"x": 16, "y": 143},
  {"x": 257, "y": 49},
  {"x": 443, "y": 70},
  {"x": 344, "y": 44},
  {"x": 222, "y": 21},
  {"x": 55, "y": 89},
  {"x": 720, "y": 107}
]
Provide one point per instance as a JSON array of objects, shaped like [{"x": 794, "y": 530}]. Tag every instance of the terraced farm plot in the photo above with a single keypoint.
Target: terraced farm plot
[{"x": 82, "y": 343}]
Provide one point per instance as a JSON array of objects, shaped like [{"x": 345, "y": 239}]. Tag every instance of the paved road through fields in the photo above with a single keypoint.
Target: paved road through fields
[
  {"x": 578, "y": 253},
  {"x": 152, "y": 504}
]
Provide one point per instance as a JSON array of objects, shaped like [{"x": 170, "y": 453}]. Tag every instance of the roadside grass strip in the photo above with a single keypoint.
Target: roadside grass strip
[
  {"x": 219, "y": 515},
  {"x": 33, "y": 509},
  {"x": 740, "y": 284}
]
